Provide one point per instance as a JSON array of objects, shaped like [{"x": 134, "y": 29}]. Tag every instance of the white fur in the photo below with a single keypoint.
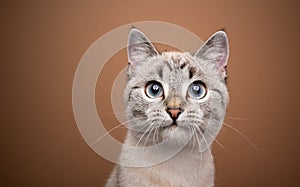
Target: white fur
[
  {"x": 191, "y": 167},
  {"x": 188, "y": 169}
]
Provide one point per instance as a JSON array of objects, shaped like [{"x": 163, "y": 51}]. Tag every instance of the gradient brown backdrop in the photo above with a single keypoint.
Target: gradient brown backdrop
[{"x": 42, "y": 43}]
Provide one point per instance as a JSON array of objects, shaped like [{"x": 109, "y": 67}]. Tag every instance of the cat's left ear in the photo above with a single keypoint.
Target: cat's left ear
[
  {"x": 139, "y": 47},
  {"x": 216, "y": 49}
]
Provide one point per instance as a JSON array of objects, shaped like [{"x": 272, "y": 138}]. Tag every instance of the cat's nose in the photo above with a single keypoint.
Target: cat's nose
[{"x": 174, "y": 112}]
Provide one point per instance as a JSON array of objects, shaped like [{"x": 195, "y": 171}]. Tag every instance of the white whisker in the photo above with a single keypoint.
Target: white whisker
[
  {"x": 241, "y": 134},
  {"x": 205, "y": 141},
  {"x": 229, "y": 117},
  {"x": 215, "y": 139},
  {"x": 144, "y": 133},
  {"x": 98, "y": 139},
  {"x": 149, "y": 133}
]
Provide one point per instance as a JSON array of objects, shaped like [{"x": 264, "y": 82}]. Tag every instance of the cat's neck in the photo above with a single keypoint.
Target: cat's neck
[{"x": 186, "y": 168}]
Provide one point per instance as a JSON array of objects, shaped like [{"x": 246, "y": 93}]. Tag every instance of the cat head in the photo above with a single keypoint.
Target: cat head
[{"x": 174, "y": 94}]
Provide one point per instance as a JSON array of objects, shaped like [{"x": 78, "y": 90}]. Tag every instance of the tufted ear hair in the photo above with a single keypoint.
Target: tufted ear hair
[
  {"x": 139, "y": 47},
  {"x": 216, "y": 50}
]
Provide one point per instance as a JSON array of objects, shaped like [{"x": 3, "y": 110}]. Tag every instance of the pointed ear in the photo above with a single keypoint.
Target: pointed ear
[
  {"x": 216, "y": 50},
  {"x": 139, "y": 47}
]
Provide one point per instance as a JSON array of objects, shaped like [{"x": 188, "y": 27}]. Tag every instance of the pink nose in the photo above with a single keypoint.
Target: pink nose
[{"x": 174, "y": 112}]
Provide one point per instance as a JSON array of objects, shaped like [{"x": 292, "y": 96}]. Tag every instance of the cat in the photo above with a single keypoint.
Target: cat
[{"x": 177, "y": 98}]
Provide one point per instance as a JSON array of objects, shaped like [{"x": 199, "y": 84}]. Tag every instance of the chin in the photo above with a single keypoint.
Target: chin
[{"x": 175, "y": 134}]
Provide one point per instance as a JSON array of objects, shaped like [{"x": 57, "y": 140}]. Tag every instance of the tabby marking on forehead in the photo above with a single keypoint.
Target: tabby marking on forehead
[
  {"x": 182, "y": 60},
  {"x": 176, "y": 58}
]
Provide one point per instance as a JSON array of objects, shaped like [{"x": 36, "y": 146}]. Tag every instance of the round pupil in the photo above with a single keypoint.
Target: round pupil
[
  {"x": 196, "y": 89},
  {"x": 155, "y": 89}
]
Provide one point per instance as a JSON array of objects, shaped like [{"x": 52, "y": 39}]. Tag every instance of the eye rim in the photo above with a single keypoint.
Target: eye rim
[
  {"x": 202, "y": 86},
  {"x": 151, "y": 83}
]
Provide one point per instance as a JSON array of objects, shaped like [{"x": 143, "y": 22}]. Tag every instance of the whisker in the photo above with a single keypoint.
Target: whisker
[
  {"x": 192, "y": 132},
  {"x": 145, "y": 143},
  {"x": 205, "y": 141},
  {"x": 114, "y": 128},
  {"x": 144, "y": 133},
  {"x": 229, "y": 117},
  {"x": 241, "y": 134},
  {"x": 215, "y": 139},
  {"x": 98, "y": 139},
  {"x": 153, "y": 138},
  {"x": 198, "y": 140},
  {"x": 199, "y": 144},
  {"x": 140, "y": 130}
]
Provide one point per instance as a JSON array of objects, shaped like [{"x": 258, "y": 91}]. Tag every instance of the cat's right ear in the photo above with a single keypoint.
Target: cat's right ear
[{"x": 139, "y": 47}]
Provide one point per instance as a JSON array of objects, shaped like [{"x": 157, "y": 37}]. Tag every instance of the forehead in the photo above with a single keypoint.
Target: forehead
[
  {"x": 179, "y": 66},
  {"x": 172, "y": 68},
  {"x": 178, "y": 59}
]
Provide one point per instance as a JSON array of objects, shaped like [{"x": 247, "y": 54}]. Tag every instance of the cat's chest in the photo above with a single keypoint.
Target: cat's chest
[{"x": 185, "y": 171}]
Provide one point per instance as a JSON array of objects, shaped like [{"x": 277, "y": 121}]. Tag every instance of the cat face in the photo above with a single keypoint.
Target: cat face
[{"x": 175, "y": 95}]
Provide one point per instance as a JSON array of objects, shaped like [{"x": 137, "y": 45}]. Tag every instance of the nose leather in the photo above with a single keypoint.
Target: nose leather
[{"x": 174, "y": 112}]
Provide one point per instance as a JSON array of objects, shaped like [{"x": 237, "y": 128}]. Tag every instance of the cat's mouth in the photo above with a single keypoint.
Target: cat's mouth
[{"x": 172, "y": 125}]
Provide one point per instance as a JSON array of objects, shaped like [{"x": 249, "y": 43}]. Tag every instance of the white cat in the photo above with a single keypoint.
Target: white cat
[{"x": 177, "y": 99}]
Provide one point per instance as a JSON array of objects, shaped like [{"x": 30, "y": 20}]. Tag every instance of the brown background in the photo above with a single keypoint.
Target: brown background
[{"x": 42, "y": 43}]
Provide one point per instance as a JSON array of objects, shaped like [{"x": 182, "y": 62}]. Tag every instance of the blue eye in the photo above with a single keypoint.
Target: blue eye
[
  {"x": 154, "y": 89},
  {"x": 197, "y": 90}
]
